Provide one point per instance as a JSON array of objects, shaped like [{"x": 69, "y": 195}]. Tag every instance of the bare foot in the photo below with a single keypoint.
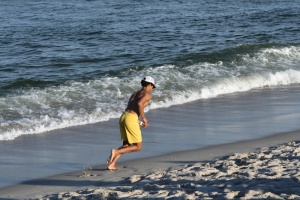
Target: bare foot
[
  {"x": 112, "y": 169},
  {"x": 112, "y": 166},
  {"x": 112, "y": 156}
]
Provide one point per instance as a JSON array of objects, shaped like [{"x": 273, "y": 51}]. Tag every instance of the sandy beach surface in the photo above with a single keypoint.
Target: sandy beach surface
[{"x": 255, "y": 169}]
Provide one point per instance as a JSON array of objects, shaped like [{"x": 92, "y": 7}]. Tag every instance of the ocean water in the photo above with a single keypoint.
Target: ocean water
[{"x": 71, "y": 63}]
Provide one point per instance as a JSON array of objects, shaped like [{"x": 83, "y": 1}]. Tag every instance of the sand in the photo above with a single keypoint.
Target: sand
[{"x": 255, "y": 169}]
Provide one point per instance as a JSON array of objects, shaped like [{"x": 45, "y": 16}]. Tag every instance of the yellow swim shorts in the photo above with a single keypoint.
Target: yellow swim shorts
[{"x": 129, "y": 128}]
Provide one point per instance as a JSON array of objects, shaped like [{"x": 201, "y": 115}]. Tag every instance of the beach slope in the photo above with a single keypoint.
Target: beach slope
[{"x": 261, "y": 168}]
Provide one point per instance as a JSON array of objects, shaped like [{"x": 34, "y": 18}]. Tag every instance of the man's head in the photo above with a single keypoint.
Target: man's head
[{"x": 148, "y": 80}]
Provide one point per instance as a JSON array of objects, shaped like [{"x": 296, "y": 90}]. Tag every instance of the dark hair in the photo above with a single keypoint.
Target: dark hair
[{"x": 145, "y": 83}]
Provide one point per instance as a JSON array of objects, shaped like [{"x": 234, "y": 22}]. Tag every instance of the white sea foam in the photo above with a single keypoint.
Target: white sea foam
[
  {"x": 79, "y": 103},
  {"x": 230, "y": 85}
]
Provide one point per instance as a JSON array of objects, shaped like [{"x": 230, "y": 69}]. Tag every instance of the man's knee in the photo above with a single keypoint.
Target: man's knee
[{"x": 139, "y": 146}]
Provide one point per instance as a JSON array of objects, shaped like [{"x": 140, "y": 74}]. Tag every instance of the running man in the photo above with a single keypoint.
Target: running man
[{"x": 131, "y": 134}]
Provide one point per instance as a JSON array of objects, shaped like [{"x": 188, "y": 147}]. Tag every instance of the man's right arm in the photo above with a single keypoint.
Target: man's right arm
[{"x": 141, "y": 105}]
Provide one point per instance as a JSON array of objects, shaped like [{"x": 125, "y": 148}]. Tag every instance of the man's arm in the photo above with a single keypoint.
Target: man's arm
[{"x": 141, "y": 104}]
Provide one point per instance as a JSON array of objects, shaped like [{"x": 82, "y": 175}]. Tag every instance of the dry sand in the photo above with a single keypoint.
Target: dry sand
[{"x": 266, "y": 168}]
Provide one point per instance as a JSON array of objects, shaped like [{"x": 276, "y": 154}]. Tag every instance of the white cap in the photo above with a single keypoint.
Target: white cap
[{"x": 149, "y": 79}]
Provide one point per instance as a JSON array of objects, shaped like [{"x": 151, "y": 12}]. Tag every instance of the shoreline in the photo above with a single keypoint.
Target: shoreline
[
  {"x": 131, "y": 171},
  {"x": 53, "y": 162}
]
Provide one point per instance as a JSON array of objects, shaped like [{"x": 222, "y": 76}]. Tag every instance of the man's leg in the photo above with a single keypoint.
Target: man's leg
[
  {"x": 117, "y": 153},
  {"x": 110, "y": 159},
  {"x": 125, "y": 144}
]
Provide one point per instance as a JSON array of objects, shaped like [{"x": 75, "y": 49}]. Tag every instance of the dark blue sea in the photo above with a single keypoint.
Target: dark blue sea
[{"x": 71, "y": 63}]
